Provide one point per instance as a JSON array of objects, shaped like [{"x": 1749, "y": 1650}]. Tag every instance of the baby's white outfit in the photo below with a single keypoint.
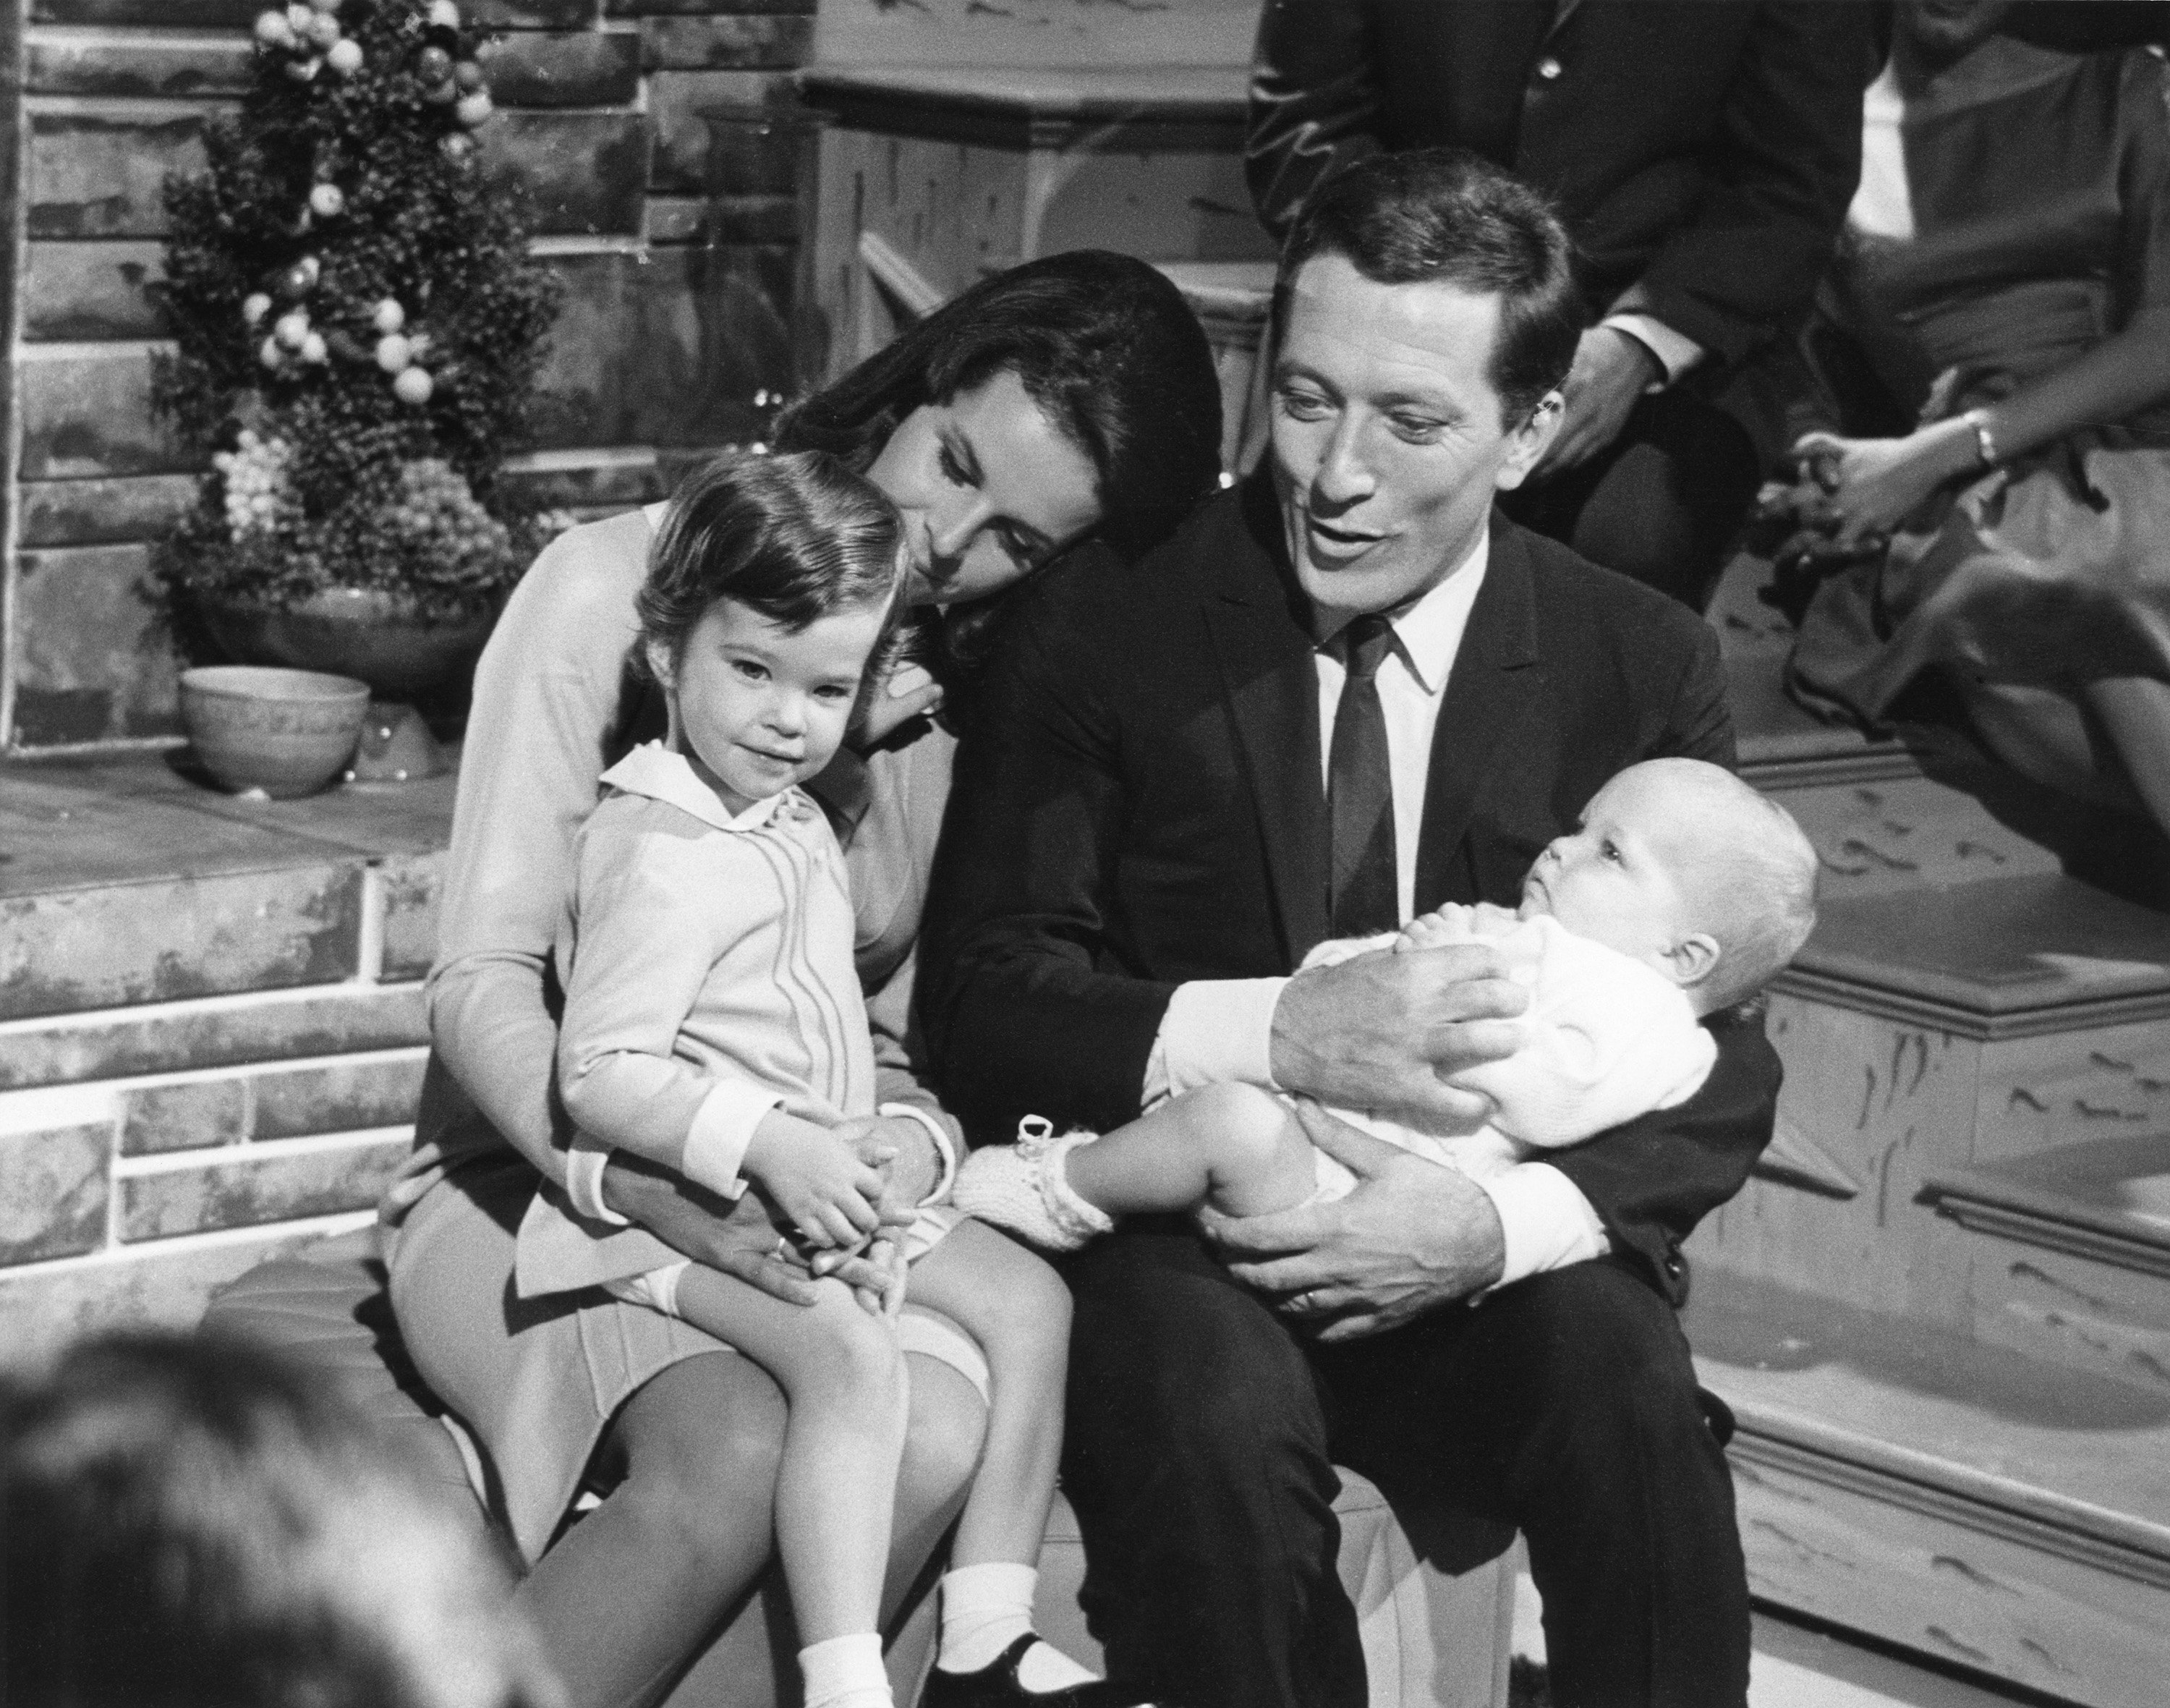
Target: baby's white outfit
[
  {"x": 706, "y": 962},
  {"x": 1606, "y": 1039}
]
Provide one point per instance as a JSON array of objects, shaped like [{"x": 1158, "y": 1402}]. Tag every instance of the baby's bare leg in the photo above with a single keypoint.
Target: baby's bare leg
[
  {"x": 843, "y": 1380},
  {"x": 1234, "y": 1147}
]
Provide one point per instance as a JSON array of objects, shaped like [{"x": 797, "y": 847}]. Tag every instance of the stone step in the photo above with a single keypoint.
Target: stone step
[
  {"x": 1984, "y": 1507},
  {"x": 128, "y": 882}
]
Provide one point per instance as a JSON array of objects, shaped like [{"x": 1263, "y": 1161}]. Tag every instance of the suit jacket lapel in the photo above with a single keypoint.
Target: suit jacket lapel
[
  {"x": 1271, "y": 687},
  {"x": 1498, "y": 680}
]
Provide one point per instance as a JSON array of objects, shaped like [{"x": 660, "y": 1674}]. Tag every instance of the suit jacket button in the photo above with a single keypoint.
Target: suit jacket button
[{"x": 1548, "y": 67}]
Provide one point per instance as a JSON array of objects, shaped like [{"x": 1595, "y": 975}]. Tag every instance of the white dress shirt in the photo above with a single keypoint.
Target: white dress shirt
[{"x": 1221, "y": 1030}]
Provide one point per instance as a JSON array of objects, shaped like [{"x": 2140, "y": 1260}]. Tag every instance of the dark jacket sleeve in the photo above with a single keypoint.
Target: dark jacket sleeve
[
  {"x": 1023, "y": 1008},
  {"x": 1314, "y": 103},
  {"x": 1784, "y": 163}
]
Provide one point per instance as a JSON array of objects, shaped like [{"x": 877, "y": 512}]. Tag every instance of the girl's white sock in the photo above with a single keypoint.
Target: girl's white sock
[
  {"x": 846, "y": 1672},
  {"x": 984, "y": 1609}
]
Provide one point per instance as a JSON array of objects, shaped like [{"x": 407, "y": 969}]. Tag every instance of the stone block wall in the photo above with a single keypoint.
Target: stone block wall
[{"x": 676, "y": 231}]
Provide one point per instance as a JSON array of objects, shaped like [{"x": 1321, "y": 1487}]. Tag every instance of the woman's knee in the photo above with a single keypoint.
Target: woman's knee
[{"x": 701, "y": 1443}]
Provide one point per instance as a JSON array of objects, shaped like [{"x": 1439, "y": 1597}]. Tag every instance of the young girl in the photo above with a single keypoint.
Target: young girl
[{"x": 713, "y": 1023}]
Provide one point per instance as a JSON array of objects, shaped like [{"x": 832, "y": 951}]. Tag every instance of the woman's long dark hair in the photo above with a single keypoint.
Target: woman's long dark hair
[{"x": 1103, "y": 343}]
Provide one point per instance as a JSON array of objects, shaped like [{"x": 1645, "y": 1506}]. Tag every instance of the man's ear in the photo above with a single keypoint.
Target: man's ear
[
  {"x": 1693, "y": 959},
  {"x": 1527, "y": 444},
  {"x": 660, "y": 662}
]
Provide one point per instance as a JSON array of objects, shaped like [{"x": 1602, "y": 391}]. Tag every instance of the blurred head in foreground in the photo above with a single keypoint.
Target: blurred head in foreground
[{"x": 193, "y": 1522}]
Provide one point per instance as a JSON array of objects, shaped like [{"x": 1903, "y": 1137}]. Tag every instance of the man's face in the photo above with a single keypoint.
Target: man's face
[{"x": 1388, "y": 440}]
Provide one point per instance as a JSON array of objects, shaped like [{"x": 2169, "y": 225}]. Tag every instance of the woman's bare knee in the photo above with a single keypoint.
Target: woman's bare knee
[{"x": 701, "y": 1444}]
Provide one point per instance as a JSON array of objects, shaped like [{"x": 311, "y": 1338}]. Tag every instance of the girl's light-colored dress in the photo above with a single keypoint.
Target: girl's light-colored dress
[{"x": 555, "y": 705}]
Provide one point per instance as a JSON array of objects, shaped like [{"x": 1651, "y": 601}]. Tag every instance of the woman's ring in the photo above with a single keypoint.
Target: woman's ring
[
  {"x": 1305, "y": 1301},
  {"x": 784, "y": 1245}
]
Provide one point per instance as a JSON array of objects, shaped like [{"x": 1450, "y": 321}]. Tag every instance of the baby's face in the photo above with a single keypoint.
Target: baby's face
[{"x": 1615, "y": 879}]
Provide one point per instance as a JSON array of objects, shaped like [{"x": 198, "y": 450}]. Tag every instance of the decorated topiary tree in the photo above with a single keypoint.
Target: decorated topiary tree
[{"x": 359, "y": 327}]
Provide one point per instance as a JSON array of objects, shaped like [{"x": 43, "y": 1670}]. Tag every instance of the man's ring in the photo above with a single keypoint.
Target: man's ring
[
  {"x": 1305, "y": 1301},
  {"x": 784, "y": 1245}
]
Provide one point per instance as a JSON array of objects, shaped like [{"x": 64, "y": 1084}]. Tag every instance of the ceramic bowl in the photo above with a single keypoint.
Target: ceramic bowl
[{"x": 279, "y": 732}]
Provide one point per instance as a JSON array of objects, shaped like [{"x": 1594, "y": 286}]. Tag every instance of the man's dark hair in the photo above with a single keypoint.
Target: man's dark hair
[{"x": 1449, "y": 217}]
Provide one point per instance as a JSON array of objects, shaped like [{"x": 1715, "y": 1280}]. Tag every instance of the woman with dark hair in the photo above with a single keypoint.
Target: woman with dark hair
[{"x": 1070, "y": 397}]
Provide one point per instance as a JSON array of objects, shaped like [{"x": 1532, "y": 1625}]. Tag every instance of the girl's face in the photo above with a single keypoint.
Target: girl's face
[
  {"x": 757, "y": 707},
  {"x": 990, "y": 489}
]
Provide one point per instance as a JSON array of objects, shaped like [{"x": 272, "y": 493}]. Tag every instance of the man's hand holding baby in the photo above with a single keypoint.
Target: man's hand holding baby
[
  {"x": 1411, "y": 1236},
  {"x": 1383, "y": 1031}
]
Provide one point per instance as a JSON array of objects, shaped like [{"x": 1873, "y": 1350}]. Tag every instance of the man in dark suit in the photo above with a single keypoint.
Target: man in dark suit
[
  {"x": 1346, "y": 692},
  {"x": 1702, "y": 156}
]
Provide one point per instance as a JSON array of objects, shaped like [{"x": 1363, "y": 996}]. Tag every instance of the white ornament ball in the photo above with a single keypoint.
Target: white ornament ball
[
  {"x": 328, "y": 201},
  {"x": 344, "y": 57},
  {"x": 474, "y": 109},
  {"x": 311, "y": 270},
  {"x": 414, "y": 386},
  {"x": 255, "y": 307},
  {"x": 271, "y": 353},
  {"x": 323, "y": 29},
  {"x": 303, "y": 70},
  {"x": 274, "y": 29},
  {"x": 292, "y": 330},
  {"x": 299, "y": 17},
  {"x": 444, "y": 15},
  {"x": 392, "y": 352},
  {"x": 315, "y": 350},
  {"x": 388, "y": 317}
]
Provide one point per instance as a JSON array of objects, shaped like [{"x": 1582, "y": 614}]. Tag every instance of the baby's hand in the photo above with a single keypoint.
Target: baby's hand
[
  {"x": 1490, "y": 920},
  {"x": 886, "y": 1253},
  {"x": 816, "y": 1178},
  {"x": 1450, "y": 925}
]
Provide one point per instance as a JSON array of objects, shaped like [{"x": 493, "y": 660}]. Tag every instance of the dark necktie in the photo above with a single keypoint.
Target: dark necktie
[{"x": 1360, "y": 791}]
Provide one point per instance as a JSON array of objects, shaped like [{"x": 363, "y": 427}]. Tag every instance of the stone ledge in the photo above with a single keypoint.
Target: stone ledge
[{"x": 281, "y": 1181}]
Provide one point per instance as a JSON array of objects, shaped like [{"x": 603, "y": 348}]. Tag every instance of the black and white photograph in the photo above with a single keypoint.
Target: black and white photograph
[{"x": 1085, "y": 853}]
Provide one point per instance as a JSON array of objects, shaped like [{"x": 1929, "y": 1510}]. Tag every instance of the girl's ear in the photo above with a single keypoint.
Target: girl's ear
[
  {"x": 1692, "y": 958},
  {"x": 659, "y": 662}
]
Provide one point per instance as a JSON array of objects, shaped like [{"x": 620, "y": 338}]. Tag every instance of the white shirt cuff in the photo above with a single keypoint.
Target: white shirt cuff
[
  {"x": 716, "y": 1143},
  {"x": 584, "y": 1162},
  {"x": 1547, "y": 1222},
  {"x": 944, "y": 1147},
  {"x": 1676, "y": 352},
  {"x": 1216, "y": 1031}
]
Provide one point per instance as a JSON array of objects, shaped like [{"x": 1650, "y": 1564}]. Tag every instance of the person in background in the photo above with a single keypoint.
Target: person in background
[
  {"x": 2005, "y": 287},
  {"x": 192, "y": 1521},
  {"x": 1701, "y": 157}
]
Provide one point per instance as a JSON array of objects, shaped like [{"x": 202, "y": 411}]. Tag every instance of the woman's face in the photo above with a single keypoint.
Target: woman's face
[{"x": 990, "y": 489}]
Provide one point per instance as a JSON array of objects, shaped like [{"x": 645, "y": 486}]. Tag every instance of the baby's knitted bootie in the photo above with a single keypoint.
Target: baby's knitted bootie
[{"x": 1023, "y": 1187}]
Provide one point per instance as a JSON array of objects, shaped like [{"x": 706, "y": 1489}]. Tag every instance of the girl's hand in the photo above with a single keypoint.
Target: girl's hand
[
  {"x": 816, "y": 1180},
  {"x": 1872, "y": 485},
  {"x": 908, "y": 692}
]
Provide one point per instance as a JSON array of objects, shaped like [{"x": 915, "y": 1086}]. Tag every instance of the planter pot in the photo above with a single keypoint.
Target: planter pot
[
  {"x": 360, "y": 632},
  {"x": 284, "y": 732}
]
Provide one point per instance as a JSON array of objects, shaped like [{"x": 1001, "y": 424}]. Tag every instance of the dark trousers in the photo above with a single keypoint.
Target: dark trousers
[
  {"x": 1661, "y": 504},
  {"x": 1203, "y": 1432}
]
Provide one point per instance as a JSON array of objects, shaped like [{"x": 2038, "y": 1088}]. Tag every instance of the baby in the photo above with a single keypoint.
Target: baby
[{"x": 1682, "y": 893}]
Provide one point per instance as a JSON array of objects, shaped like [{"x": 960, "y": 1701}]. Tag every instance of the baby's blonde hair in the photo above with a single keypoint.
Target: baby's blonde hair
[{"x": 1752, "y": 879}]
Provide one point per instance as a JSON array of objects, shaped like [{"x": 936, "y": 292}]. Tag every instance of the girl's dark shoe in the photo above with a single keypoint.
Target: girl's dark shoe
[{"x": 996, "y": 1685}]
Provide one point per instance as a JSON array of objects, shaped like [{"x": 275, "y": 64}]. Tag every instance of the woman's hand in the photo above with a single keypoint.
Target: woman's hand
[
  {"x": 1872, "y": 485},
  {"x": 907, "y": 693},
  {"x": 817, "y": 1179},
  {"x": 735, "y": 1239}
]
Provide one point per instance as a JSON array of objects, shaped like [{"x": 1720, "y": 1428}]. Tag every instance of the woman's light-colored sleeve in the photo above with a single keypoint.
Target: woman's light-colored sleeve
[
  {"x": 652, "y": 925},
  {"x": 1605, "y": 1039},
  {"x": 547, "y": 692}
]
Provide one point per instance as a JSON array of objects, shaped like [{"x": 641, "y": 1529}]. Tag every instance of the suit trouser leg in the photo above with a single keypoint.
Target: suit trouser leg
[
  {"x": 1196, "y": 1460},
  {"x": 1660, "y": 504},
  {"x": 1566, "y": 1405}
]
